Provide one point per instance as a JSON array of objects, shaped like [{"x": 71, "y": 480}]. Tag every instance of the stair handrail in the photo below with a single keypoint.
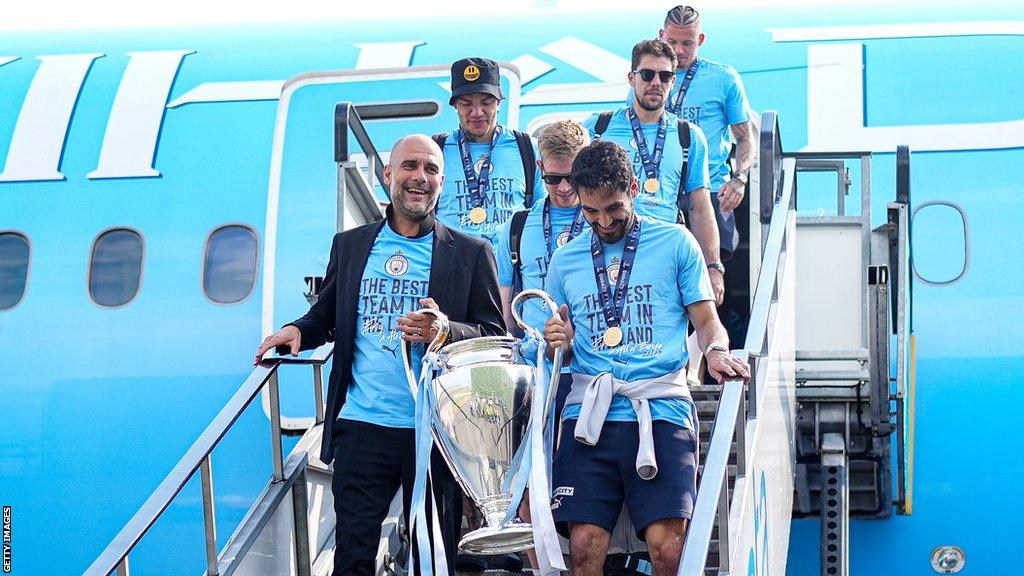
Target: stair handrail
[
  {"x": 115, "y": 555},
  {"x": 738, "y": 403}
]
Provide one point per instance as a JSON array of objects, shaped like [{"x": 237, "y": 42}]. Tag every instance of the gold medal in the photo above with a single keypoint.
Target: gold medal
[
  {"x": 477, "y": 215},
  {"x": 651, "y": 185},
  {"x": 613, "y": 336}
]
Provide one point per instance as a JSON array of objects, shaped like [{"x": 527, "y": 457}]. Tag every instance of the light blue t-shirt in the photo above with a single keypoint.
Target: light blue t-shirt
[
  {"x": 668, "y": 274},
  {"x": 505, "y": 195},
  {"x": 715, "y": 101},
  {"x": 396, "y": 277},
  {"x": 534, "y": 258},
  {"x": 661, "y": 204}
]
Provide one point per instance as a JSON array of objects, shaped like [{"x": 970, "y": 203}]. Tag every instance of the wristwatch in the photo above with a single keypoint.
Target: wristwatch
[
  {"x": 716, "y": 346},
  {"x": 717, "y": 266},
  {"x": 742, "y": 177}
]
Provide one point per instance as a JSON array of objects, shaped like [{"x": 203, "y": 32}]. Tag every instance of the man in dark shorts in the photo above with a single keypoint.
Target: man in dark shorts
[{"x": 628, "y": 427}]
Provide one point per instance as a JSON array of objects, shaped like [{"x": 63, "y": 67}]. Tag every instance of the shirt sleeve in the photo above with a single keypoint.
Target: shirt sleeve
[
  {"x": 697, "y": 170},
  {"x": 503, "y": 255},
  {"x": 736, "y": 105},
  {"x": 692, "y": 276}
]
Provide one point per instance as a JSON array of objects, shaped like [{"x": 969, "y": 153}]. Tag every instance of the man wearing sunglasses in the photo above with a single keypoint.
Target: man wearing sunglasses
[
  {"x": 711, "y": 95},
  {"x": 531, "y": 236},
  {"x": 672, "y": 178},
  {"x": 490, "y": 170}
]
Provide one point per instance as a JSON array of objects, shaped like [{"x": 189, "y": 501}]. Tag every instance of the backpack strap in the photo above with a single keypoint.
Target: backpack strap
[
  {"x": 603, "y": 119},
  {"x": 682, "y": 200},
  {"x": 529, "y": 158},
  {"x": 440, "y": 138},
  {"x": 515, "y": 240}
]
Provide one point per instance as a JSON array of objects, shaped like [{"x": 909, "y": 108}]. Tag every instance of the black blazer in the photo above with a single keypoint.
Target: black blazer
[{"x": 463, "y": 282}]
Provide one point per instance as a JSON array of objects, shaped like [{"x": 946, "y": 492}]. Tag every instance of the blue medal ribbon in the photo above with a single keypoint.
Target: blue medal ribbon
[
  {"x": 677, "y": 103},
  {"x": 650, "y": 160},
  {"x": 477, "y": 185},
  {"x": 613, "y": 308},
  {"x": 574, "y": 230}
]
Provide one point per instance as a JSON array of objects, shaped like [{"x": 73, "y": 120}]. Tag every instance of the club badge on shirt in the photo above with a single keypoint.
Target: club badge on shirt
[
  {"x": 563, "y": 237},
  {"x": 613, "y": 270},
  {"x": 396, "y": 265}
]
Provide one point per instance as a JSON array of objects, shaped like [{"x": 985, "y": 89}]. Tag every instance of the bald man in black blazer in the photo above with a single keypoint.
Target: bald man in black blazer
[{"x": 374, "y": 459}]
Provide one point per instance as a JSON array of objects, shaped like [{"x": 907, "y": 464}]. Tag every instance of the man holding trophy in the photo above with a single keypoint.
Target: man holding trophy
[
  {"x": 377, "y": 278},
  {"x": 627, "y": 291}
]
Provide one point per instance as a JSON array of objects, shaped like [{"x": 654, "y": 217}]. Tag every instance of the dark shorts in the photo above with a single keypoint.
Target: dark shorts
[{"x": 592, "y": 482}]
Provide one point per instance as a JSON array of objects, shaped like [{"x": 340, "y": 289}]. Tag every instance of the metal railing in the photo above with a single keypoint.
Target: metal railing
[
  {"x": 737, "y": 403},
  {"x": 198, "y": 457},
  {"x": 351, "y": 182}
]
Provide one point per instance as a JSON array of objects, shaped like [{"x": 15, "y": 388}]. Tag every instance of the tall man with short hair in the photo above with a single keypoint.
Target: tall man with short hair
[
  {"x": 629, "y": 425},
  {"x": 489, "y": 168},
  {"x": 711, "y": 94},
  {"x": 671, "y": 177},
  {"x": 378, "y": 275}
]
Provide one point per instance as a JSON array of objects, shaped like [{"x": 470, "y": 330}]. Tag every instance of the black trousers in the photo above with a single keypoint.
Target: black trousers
[{"x": 371, "y": 462}]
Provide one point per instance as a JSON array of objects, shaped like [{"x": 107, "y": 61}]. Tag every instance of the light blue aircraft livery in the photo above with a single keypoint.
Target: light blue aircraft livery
[{"x": 165, "y": 191}]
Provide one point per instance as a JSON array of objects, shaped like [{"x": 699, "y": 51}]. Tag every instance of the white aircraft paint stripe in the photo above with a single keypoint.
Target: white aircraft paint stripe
[
  {"x": 916, "y": 30},
  {"x": 371, "y": 55},
  {"x": 42, "y": 125},
  {"x": 531, "y": 67},
  {"x": 230, "y": 92},
  {"x": 835, "y": 113},
  {"x": 8, "y": 59},
  {"x": 385, "y": 54},
  {"x": 606, "y": 66},
  {"x": 582, "y": 93},
  {"x": 129, "y": 143}
]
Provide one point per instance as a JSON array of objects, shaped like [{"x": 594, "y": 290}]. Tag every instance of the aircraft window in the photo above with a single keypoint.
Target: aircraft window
[
  {"x": 229, "y": 266},
  {"x": 14, "y": 252},
  {"x": 115, "y": 268}
]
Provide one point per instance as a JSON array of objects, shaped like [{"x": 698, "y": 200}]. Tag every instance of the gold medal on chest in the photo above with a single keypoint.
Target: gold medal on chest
[
  {"x": 613, "y": 336},
  {"x": 651, "y": 185},
  {"x": 477, "y": 215}
]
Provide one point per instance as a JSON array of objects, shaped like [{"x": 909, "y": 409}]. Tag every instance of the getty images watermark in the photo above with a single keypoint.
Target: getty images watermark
[{"x": 7, "y": 539}]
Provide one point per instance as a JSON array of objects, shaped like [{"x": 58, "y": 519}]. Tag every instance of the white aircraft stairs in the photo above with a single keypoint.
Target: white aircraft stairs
[{"x": 809, "y": 435}]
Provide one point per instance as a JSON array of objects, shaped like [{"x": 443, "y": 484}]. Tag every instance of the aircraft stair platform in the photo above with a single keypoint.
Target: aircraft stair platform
[{"x": 808, "y": 435}]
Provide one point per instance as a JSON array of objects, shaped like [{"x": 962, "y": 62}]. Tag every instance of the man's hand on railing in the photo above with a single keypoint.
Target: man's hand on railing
[
  {"x": 288, "y": 336},
  {"x": 724, "y": 366}
]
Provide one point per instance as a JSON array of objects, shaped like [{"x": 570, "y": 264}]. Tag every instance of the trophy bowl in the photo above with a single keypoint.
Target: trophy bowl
[{"x": 482, "y": 412}]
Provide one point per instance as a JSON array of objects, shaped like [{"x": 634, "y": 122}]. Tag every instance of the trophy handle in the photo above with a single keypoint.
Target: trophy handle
[
  {"x": 435, "y": 345},
  {"x": 557, "y": 361}
]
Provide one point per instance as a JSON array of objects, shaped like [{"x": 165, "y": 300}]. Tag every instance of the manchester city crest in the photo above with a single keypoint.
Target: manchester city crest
[
  {"x": 563, "y": 238},
  {"x": 397, "y": 265},
  {"x": 480, "y": 163},
  {"x": 613, "y": 270}
]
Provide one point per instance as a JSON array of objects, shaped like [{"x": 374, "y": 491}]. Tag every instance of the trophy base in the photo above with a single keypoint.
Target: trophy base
[{"x": 512, "y": 537}]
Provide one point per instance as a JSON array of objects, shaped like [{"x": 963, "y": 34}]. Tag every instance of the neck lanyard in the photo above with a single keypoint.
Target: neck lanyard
[
  {"x": 651, "y": 161},
  {"x": 477, "y": 185},
  {"x": 677, "y": 102},
  {"x": 574, "y": 230},
  {"x": 613, "y": 308}
]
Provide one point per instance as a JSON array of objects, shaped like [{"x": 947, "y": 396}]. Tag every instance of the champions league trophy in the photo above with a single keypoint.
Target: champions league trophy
[{"x": 482, "y": 404}]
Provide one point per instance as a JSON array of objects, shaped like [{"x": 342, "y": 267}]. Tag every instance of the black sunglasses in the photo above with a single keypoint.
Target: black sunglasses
[
  {"x": 554, "y": 179},
  {"x": 646, "y": 74}
]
